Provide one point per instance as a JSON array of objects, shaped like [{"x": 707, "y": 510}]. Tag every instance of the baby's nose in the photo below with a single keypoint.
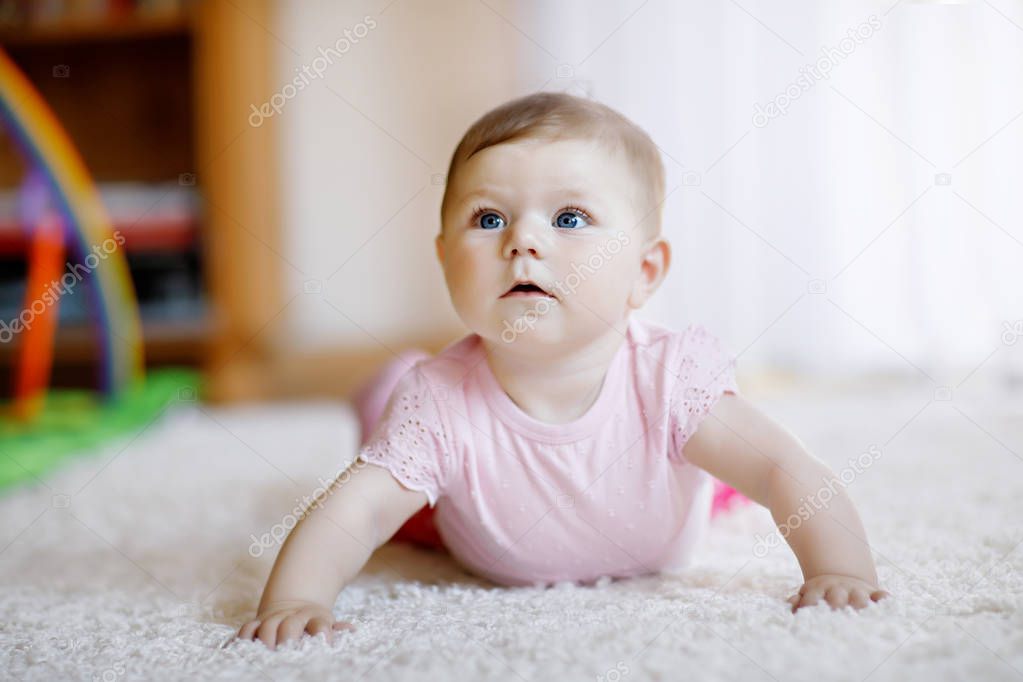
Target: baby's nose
[
  {"x": 524, "y": 239},
  {"x": 530, "y": 250}
]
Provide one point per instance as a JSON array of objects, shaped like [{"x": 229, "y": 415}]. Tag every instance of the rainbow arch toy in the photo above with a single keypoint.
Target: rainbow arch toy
[
  {"x": 62, "y": 208},
  {"x": 47, "y": 150}
]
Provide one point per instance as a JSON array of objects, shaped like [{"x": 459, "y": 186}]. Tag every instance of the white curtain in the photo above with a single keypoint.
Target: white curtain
[{"x": 876, "y": 225}]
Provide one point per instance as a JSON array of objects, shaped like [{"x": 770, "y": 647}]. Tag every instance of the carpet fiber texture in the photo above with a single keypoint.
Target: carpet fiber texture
[{"x": 141, "y": 560}]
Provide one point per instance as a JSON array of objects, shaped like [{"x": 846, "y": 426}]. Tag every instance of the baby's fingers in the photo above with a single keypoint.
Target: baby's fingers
[
  {"x": 321, "y": 625},
  {"x": 837, "y": 597},
  {"x": 248, "y": 630},
  {"x": 858, "y": 598},
  {"x": 292, "y": 627},
  {"x": 808, "y": 597},
  {"x": 267, "y": 632}
]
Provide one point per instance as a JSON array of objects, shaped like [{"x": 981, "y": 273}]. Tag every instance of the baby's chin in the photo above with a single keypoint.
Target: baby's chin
[{"x": 541, "y": 337}]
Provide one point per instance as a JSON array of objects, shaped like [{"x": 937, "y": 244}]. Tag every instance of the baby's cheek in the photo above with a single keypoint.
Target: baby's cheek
[
  {"x": 608, "y": 287},
  {"x": 468, "y": 287},
  {"x": 461, "y": 274}
]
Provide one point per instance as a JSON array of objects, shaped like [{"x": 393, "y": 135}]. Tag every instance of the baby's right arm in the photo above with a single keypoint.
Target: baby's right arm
[{"x": 326, "y": 550}]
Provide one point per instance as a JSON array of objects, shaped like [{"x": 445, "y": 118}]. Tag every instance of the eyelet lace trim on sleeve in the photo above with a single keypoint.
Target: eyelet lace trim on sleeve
[
  {"x": 409, "y": 441},
  {"x": 705, "y": 373}
]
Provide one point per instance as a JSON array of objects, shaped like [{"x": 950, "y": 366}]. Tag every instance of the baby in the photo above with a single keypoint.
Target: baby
[{"x": 564, "y": 439}]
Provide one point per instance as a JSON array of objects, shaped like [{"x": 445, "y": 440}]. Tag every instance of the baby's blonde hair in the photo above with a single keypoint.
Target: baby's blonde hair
[{"x": 560, "y": 116}]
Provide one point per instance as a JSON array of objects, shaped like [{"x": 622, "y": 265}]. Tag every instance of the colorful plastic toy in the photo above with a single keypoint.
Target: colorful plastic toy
[
  {"x": 63, "y": 212},
  {"x": 46, "y": 147},
  {"x": 45, "y": 266}
]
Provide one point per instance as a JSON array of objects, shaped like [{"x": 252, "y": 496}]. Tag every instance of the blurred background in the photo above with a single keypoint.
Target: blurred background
[
  {"x": 845, "y": 208},
  {"x": 843, "y": 178}
]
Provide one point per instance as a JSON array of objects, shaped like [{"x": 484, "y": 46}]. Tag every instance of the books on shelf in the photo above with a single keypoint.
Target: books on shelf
[
  {"x": 159, "y": 224},
  {"x": 151, "y": 217}
]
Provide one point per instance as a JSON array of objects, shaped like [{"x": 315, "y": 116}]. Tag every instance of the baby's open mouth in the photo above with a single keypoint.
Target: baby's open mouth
[{"x": 526, "y": 288}]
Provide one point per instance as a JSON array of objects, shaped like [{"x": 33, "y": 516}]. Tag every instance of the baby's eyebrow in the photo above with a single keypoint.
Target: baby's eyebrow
[
  {"x": 570, "y": 193},
  {"x": 553, "y": 194},
  {"x": 485, "y": 191}
]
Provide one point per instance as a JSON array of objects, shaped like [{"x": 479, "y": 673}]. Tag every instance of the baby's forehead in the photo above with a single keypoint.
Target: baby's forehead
[
  {"x": 571, "y": 165},
  {"x": 562, "y": 145}
]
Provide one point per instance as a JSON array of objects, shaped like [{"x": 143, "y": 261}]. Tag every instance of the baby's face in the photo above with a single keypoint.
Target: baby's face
[{"x": 564, "y": 215}]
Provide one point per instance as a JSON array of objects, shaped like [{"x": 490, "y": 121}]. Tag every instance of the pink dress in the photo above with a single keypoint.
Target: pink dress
[{"x": 525, "y": 502}]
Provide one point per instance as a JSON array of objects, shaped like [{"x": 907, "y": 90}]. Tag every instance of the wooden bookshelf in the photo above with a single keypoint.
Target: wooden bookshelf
[
  {"x": 72, "y": 32},
  {"x": 164, "y": 99}
]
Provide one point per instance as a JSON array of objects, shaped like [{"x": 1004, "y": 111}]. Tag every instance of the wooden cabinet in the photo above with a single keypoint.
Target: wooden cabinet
[{"x": 158, "y": 106}]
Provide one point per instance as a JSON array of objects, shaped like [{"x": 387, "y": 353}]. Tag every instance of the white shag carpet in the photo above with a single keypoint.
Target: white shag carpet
[{"x": 133, "y": 563}]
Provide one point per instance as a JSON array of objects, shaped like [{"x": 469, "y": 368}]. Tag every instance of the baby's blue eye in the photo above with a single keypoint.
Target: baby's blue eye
[
  {"x": 570, "y": 219},
  {"x": 491, "y": 221}
]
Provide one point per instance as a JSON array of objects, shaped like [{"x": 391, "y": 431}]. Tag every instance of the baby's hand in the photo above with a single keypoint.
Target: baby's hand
[
  {"x": 282, "y": 621},
  {"x": 838, "y": 591}
]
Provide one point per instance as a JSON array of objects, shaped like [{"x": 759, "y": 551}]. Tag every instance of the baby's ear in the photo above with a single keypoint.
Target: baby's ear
[
  {"x": 438, "y": 242},
  {"x": 655, "y": 265}
]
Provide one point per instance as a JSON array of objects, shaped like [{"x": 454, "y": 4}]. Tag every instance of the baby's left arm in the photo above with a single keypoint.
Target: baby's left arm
[{"x": 743, "y": 447}]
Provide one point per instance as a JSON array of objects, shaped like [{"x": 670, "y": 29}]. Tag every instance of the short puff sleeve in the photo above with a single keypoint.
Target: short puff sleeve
[
  {"x": 705, "y": 371},
  {"x": 410, "y": 439}
]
